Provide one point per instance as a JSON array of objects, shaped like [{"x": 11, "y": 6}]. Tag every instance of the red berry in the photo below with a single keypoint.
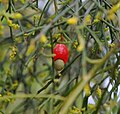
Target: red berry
[{"x": 61, "y": 52}]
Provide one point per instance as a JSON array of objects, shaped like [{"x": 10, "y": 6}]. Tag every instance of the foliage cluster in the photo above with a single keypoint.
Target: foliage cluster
[{"x": 29, "y": 84}]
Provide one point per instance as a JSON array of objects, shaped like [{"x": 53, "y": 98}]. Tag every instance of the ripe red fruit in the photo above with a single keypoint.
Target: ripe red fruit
[
  {"x": 61, "y": 56},
  {"x": 61, "y": 52}
]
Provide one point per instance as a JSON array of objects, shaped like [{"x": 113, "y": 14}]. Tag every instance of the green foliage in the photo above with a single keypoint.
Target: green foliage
[{"x": 28, "y": 81}]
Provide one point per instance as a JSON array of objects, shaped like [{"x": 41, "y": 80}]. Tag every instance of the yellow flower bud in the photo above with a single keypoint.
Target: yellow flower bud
[
  {"x": 99, "y": 15},
  {"x": 75, "y": 44},
  {"x": 96, "y": 21},
  {"x": 99, "y": 92},
  {"x": 15, "y": 84},
  {"x": 75, "y": 110},
  {"x": 22, "y": 1},
  {"x": 72, "y": 20},
  {"x": 92, "y": 106},
  {"x": 87, "y": 89},
  {"x": 16, "y": 26},
  {"x": 13, "y": 53},
  {"x": 113, "y": 10},
  {"x": 9, "y": 22},
  {"x": 17, "y": 16},
  {"x": 106, "y": 29},
  {"x": 56, "y": 36},
  {"x": 87, "y": 20},
  {"x": 29, "y": 25},
  {"x": 111, "y": 16},
  {"x": 1, "y": 27},
  {"x": 80, "y": 47},
  {"x": 31, "y": 48},
  {"x": 111, "y": 45},
  {"x": 49, "y": 45},
  {"x": 43, "y": 38}
]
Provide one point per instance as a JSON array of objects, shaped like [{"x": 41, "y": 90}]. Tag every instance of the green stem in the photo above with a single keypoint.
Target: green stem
[
  {"x": 11, "y": 32},
  {"x": 93, "y": 61},
  {"x": 37, "y": 1},
  {"x": 111, "y": 26},
  {"x": 94, "y": 36},
  {"x": 43, "y": 12},
  {"x": 24, "y": 96}
]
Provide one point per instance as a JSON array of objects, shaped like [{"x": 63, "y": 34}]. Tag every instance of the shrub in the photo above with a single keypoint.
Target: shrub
[{"x": 89, "y": 81}]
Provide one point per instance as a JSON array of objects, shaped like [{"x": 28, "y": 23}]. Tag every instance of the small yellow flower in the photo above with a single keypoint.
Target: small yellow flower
[
  {"x": 49, "y": 45},
  {"x": 92, "y": 106},
  {"x": 17, "y": 16},
  {"x": 87, "y": 20},
  {"x": 106, "y": 29},
  {"x": 29, "y": 25},
  {"x": 56, "y": 36},
  {"x": 15, "y": 84},
  {"x": 60, "y": 74},
  {"x": 87, "y": 89},
  {"x": 75, "y": 110},
  {"x": 14, "y": 48},
  {"x": 56, "y": 80},
  {"x": 81, "y": 41},
  {"x": 99, "y": 15},
  {"x": 113, "y": 10},
  {"x": 80, "y": 47},
  {"x": 9, "y": 22},
  {"x": 22, "y": 1},
  {"x": 96, "y": 21},
  {"x": 1, "y": 27},
  {"x": 26, "y": 35},
  {"x": 72, "y": 20},
  {"x": 99, "y": 92},
  {"x": 75, "y": 44},
  {"x": 31, "y": 48},
  {"x": 16, "y": 26},
  {"x": 1, "y": 33},
  {"x": 43, "y": 38},
  {"x": 18, "y": 40},
  {"x": 13, "y": 53},
  {"x": 111, "y": 45},
  {"x": 111, "y": 16}
]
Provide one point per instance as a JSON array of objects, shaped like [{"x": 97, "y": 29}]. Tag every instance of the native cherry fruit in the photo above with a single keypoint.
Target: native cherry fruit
[{"x": 61, "y": 56}]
